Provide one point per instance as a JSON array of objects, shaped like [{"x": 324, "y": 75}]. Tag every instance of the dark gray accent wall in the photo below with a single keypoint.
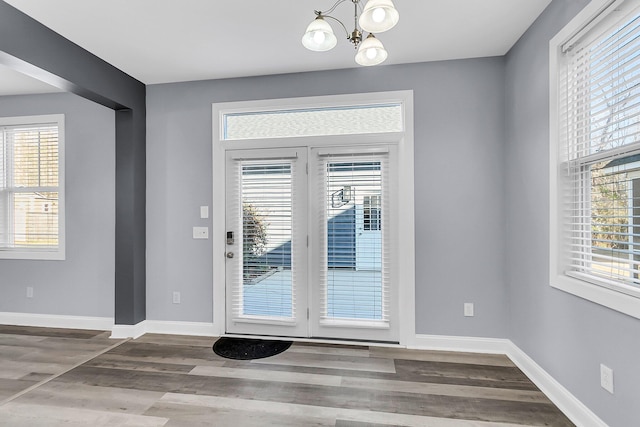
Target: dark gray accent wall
[
  {"x": 81, "y": 285},
  {"x": 568, "y": 336},
  {"x": 33, "y": 49},
  {"x": 459, "y": 186}
]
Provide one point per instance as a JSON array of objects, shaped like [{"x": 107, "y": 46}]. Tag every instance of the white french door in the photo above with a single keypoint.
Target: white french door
[
  {"x": 266, "y": 267},
  {"x": 353, "y": 284},
  {"x": 310, "y": 247}
]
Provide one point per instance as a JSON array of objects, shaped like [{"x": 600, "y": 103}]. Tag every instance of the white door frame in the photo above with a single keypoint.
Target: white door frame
[{"x": 406, "y": 215}]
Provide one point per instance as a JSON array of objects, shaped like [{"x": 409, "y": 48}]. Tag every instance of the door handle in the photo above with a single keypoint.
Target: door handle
[{"x": 229, "y": 254}]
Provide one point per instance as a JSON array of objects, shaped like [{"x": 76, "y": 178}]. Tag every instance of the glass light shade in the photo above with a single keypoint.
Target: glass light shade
[
  {"x": 371, "y": 52},
  {"x": 379, "y": 16},
  {"x": 319, "y": 36}
]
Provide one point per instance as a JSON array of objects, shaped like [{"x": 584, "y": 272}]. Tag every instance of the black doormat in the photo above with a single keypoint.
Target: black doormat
[{"x": 248, "y": 349}]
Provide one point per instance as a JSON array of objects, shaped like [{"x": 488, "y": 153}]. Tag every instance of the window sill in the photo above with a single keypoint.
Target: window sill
[
  {"x": 609, "y": 298},
  {"x": 34, "y": 255}
]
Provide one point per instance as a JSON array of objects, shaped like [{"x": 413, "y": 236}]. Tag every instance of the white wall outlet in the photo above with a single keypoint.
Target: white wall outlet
[
  {"x": 606, "y": 378},
  {"x": 176, "y": 297},
  {"x": 200, "y": 232},
  {"x": 29, "y": 292},
  {"x": 468, "y": 309},
  {"x": 204, "y": 212}
]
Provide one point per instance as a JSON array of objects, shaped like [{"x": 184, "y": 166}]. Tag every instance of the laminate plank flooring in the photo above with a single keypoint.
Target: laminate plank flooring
[
  {"x": 51, "y": 377},
  {"x": 30, "y": 356}
]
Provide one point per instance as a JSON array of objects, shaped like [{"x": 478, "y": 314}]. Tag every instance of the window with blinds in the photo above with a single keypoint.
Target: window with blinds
[
  {"x": 354, "y": 282},
  {"x": 31, "y": 199},
  {"x": 599, "y": 158}
]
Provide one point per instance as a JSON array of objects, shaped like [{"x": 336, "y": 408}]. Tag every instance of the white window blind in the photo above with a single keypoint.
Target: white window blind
[
  {"x": 354, "y": 264},
  {"x": 263, "y": 205},
  {"x": 599, "y": 88},
  {"x": 30, "y": 193}
]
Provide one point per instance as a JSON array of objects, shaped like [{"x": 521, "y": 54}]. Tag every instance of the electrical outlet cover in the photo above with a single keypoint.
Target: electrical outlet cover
[{"x": 606, "y": 378}]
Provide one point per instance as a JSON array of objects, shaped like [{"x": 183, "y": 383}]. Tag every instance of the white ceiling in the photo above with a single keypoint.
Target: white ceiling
[
  {"x": 14, "y": 83},
  {"x": 161, "y": 41}
]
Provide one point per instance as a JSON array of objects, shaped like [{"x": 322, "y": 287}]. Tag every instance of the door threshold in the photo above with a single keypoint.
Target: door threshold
[{"x": 319, "y": 340}]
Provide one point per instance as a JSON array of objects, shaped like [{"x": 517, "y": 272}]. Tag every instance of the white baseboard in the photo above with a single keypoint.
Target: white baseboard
[
  {"x": 573, "y": 408},
  {"x": 56, "y": 321},
  {"x": 200, "y": 329},
  {"x": 164, "y": 327},
  {"x": 466, "y": 344},
  {"x": 128, "y": 331}
]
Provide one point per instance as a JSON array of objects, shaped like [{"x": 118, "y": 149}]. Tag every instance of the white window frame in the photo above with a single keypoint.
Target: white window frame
[
  {"x": 58, "y": 253},
  {"x": 406, "y": 215},
  {"x": 595, "y": 12}
]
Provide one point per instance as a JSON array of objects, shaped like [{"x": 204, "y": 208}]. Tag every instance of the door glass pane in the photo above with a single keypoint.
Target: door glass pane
[
  {"x": 354, "y": 285},
  {"x": 267, "y": 192}
]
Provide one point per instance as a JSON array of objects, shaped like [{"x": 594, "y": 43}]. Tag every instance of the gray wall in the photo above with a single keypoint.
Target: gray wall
[
  {"x": 569, "y": 337},
  {"x": 459, "y": 186},
  {"x": 81, "y": 285}
]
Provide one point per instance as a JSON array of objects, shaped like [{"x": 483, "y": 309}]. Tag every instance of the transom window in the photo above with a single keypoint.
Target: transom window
[{"x": 286, "y": 123}]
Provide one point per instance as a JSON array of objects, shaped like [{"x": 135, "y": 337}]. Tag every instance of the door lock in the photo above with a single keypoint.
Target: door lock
[{"x": 229, "y": 254}]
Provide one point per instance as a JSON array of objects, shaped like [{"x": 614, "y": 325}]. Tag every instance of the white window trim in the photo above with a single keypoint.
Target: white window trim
[
  {"x": 44, "y": 254},
  {"x": 558, "y": 279},
  {"x": 406, "y": 215}
]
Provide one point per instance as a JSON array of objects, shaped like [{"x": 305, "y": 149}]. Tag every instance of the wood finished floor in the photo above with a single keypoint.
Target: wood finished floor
[{"x": 53, "y": 377}]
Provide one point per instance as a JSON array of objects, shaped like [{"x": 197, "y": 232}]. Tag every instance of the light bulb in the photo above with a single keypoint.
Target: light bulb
[
  {"x": 318, "y": 37},
  {"x": 378, "y": 15},
  {"x": 371, "y": 52}
]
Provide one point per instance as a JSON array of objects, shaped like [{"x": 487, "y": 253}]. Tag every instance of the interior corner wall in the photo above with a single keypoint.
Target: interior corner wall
[
  {"x": 459, "y": 187},
  {"x": 566, "y": 335},
  {"x": 82, "y": 284}
]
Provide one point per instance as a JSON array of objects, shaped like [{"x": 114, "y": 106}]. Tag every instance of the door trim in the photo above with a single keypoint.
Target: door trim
[{"x": 406, "y": 219}]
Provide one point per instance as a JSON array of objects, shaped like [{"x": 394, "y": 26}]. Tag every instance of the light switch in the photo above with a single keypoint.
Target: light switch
[
  {"x": 468, "y": 309},
  {"x": 200, "y": 232},
  {"x": 204, "y": 212}
]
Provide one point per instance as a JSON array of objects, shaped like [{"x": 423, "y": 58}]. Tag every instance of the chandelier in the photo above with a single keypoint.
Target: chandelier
[{"x": 377, "y": 16}]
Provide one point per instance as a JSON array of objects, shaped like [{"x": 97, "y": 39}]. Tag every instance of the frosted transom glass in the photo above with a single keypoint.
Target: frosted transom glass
[{"x": 314, "y": 122}]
